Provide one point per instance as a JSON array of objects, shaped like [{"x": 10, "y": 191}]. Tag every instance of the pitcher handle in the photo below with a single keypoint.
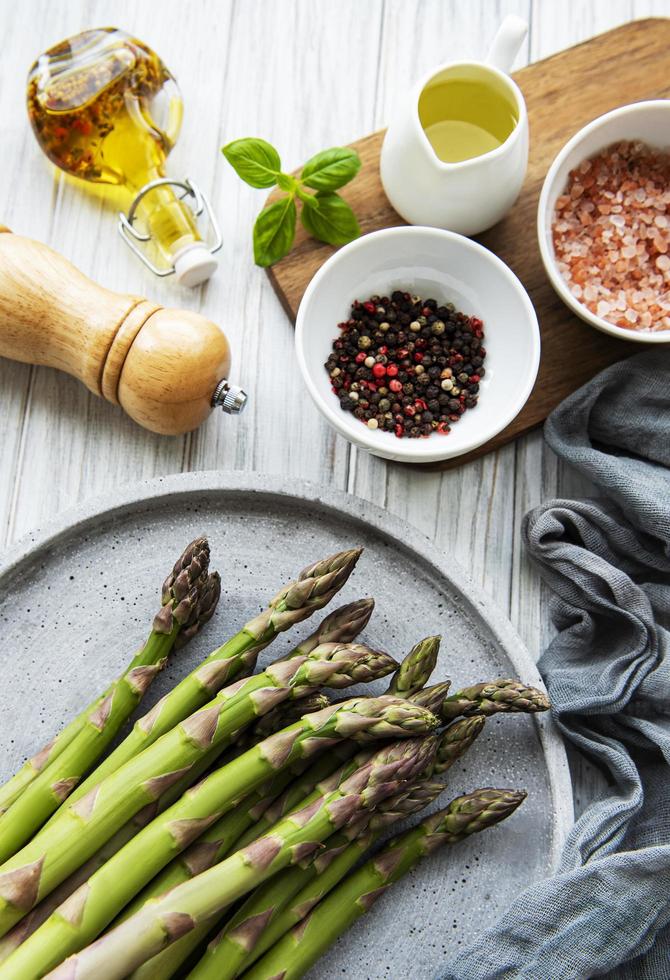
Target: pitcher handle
[{"x": 506, "y": 43}]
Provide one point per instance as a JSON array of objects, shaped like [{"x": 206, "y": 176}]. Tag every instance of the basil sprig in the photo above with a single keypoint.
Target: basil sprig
[{"x": 324, "y": 214}]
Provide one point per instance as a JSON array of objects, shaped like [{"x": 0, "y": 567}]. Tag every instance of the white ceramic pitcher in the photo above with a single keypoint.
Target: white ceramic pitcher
[{"x": 471, "y": 195}]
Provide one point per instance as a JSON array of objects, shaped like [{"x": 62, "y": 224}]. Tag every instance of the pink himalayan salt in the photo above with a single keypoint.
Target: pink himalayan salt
[{"x": 611, "y": 235}]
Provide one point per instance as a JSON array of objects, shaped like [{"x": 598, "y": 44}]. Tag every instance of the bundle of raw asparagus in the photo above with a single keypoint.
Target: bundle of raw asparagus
[{"x": 236, "y": 786}]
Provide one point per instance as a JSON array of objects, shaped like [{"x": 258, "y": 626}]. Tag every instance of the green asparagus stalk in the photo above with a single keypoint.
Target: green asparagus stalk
[
  {"x": 236, "y": 830},
  {"x": 416, "y": 668},
  {"x": 189, "y": 601},
  {"x": 412, "y": 673},
  {"x": 455, "y": 741},
  {"x": 286, "y": 714},
  {"x": 216, "y": 843},
  {"x": 432, "y": 697},
  {"x": 250, "y": 819},
  {"x": 341, "y": 626},
  {"x": 299, "y": 949},
  {"x": 265, "y": 917},
  {"x": 494, "y": 697},
  {"x": 275, "y": 906},
  {"x": 28, "y": 925},
  {"x": 97, "y": 902},
  {"x": 313, "y": 589},
  {"x": 344, "y": 624},
  {"x": 312, "y": 782},
  {"x": 80, "y": 828},
  {"x": 161, "y": 922},
  {"x": 195, "y": 558}
]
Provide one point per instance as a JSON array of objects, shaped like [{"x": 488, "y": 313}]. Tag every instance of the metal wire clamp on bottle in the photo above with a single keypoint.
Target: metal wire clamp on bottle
[{"x": 131, "y": 235}]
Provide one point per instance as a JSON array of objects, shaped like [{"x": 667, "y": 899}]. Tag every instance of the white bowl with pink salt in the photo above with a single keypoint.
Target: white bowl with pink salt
[{"x": 604, "y": 222}]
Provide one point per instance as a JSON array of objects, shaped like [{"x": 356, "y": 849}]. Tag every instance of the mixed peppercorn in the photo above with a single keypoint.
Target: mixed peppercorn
[{"x": 407, "y": 365}]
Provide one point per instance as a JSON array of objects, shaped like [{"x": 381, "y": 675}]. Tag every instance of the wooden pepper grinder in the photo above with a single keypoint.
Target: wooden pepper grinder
[{"x": 166, "y": 368}]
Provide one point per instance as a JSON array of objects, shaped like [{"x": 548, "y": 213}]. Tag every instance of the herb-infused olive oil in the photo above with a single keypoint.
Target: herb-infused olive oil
[
  {"x": 105, "y": 108},
  {"x": 465, "y": 118}
]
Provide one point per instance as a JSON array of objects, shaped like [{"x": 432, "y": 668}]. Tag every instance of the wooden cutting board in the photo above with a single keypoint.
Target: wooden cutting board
[{"x": 563, "y": 93}]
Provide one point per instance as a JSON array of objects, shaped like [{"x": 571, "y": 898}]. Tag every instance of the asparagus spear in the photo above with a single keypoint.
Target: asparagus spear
[
  {"x": 455, "y": 741},
  {"x": 286, "y": 713},
  {"x": 219, "y": 840},
  {"x": 191, "y": 563},
  {"x": 341, "y": 626},
  {"x": 299, "y": 949},
  {"x": 494, "y": 697},
  {"x": 343, "y": 623},
  {"x": 96, "y": 903},
  {"x": 416, "y": 668},
  {"x": 228, "y": 828},
  {"x": 301, "y": 792},
  {"x": 432, "y": 697},
  {"x": 413, "y": 672},
  {"x": 276, "y": 905},
  {"x": 28, "y": 925},
  {"x": 80, "y": 828},
  {"x": 250, "y": 820},
  {"x": 216, "y": 843},
  {"x": 313, "y": 589},
  {"x": 159, "y": 923},
  {"x": 266, "y": 915},
  {"x": 411, "y": 675},
  {"x": 188, "y": 603}
]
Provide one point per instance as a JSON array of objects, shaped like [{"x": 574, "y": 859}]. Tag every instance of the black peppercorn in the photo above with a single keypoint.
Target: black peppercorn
[{"x": 420, "y": 347}]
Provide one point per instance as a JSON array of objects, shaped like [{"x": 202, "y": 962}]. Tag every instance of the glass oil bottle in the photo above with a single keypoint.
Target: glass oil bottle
[{"x": 104, "y": 108}]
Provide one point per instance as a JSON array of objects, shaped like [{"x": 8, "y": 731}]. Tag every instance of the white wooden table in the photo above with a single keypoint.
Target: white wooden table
[{"x": 304, "y": 74}]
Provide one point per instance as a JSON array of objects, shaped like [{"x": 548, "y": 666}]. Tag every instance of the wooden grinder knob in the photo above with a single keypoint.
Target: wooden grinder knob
[{"x": 166, "y": 368}]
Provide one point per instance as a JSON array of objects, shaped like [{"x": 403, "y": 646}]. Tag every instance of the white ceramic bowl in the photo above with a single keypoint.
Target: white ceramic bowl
[
  {"x": 449, "y": 268},
  {"x": 646, "y": 121}
]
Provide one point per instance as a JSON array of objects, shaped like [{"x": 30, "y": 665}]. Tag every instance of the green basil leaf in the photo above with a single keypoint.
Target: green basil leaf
[
  {"x": 274, "y": 231},
  {"x": 330, "y": 219},
  {"x": 331, "y": 169},
  {"x": 254, "y": 160}
]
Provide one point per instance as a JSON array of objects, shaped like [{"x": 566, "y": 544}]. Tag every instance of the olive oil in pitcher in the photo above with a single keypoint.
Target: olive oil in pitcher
[{"x": 465, "y": 118}]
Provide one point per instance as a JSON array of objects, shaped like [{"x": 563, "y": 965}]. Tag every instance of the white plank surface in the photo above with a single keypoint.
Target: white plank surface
[{"x": 304, "y": 74}]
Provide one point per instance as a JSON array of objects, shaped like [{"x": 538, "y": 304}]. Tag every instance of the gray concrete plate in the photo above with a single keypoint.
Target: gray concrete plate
[{"x": 77, "y": 598}]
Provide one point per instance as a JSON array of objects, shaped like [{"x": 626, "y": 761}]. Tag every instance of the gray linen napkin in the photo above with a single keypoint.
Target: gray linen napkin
[{"x": 607, "y": 910}]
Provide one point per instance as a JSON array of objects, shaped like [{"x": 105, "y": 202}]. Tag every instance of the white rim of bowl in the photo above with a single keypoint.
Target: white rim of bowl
[
  {"x": 547, "y": 252},
  {"x": 401, "y": 452}
]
